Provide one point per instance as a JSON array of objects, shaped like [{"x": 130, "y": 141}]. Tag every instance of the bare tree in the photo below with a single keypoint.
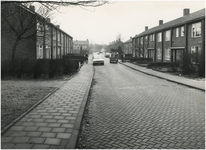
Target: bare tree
[
  {"x": 15, "y": 16},
  {"x": 119, "y": 37}
]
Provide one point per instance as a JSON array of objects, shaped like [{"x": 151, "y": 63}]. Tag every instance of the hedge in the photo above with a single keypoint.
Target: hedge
[{"x": 40, "y": 68}]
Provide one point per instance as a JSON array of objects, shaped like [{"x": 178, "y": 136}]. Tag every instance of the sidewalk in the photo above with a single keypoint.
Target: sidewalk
[
  {"x": 55, "y": 122},
  {"x": 172, "y": 78}
]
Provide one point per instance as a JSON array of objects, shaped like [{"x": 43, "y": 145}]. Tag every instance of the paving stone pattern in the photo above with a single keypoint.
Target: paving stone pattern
[
  {"x": 51, "y": 123},
  {"x": 135, "y": 111}
]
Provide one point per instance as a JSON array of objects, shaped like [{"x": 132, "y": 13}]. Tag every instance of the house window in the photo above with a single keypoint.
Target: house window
[
  {"x": 54, "y": 52},
  {"x": 47, "y": 28},
  {"x": 177, "y": 32},
  {"x": 167, "y": 53},
  {"x": 196, "y": 29},
  {"x": 48, "y": 52},
  {"x": 194, "y": 54},
  {"x": 54, "y": 34},
  {"x": 159, "y": 54},
  {"x": 159, "y": 37},
  {"x": 145, "y": 40},
  {"x": 58, "y": 34},
  {"x": 40, "y": 52},
  {"x": 167, "y": 35},
  {"x": 182, "y": 31},
  {"x": 151, "y": 37},
  {"x": 141, "y": 40}
]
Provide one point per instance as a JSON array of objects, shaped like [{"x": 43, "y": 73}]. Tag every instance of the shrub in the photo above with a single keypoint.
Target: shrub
[
  {"x": 141, "y": 60},
  {"x": 40, "y": 68}
]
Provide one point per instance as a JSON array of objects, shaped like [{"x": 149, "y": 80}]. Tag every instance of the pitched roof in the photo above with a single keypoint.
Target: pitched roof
[
  {"x": 34, "y": 12},
  {"x": 177, "y": 22},
  {"x": 129, "y": 41},
  {"x": 81, "y": 42}
]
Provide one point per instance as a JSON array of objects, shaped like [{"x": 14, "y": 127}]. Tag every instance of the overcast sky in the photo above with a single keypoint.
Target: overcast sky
[{"x": 103, "y": 24}]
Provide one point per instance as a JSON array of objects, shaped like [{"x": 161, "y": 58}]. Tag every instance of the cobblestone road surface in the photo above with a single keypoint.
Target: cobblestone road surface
[{"x": 129, "y": 109}]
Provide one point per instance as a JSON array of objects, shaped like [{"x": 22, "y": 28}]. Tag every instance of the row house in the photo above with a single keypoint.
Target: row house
[
  {"x": 40, "y": 39},
  {"x": 116, "y": 46},
  {"x": 52, "y": 42},
  {"x": 81, "y": 47},
  {"x": 174, "y": 40},
  {"x": 127, "y": 48}
]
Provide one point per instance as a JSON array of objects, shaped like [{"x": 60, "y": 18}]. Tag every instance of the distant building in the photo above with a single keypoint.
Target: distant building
[
  {"x": 127, "y": 49},
  {"x": 116, "y": 46},
  {"x": 81, "y": 47}
]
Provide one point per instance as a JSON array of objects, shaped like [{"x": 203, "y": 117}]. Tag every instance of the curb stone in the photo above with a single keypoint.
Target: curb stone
[
  {"x": 164, "y": 78},
  {"x": 77, "y": 125}
]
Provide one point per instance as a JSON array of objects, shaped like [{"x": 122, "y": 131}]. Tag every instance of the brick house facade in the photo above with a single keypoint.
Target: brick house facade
[
  {"x": 44, "y": 40},
  {"x": 127, "y": 49},
  {"x": 174, "y": 41},
  {"x": 26, "y": 48},
  {"x": 81, "y": 47}
]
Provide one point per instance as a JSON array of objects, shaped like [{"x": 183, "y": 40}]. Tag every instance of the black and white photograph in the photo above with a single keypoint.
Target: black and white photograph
[{"x": 103, "y": 74}]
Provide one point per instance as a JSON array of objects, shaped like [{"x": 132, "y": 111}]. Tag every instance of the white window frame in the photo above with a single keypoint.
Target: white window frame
[
  {"x": 141, "y": 40},
  {"x": 167, "y": 35},
  {"x": 167, "y": 53},
  {"x": 195, "y": 30},
  {"x": 40, "y": 52},
  {"x": 159, "y": 37},
  {"x": 177, "y": 32},
  {"x": 159, "y": 54},
  {"x": 150, "y": 38},
  {"x": 182, "y": 31}
]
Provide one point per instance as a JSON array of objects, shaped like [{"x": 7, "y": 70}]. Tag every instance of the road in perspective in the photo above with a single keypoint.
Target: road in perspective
[{"x": 129, "y": 109}]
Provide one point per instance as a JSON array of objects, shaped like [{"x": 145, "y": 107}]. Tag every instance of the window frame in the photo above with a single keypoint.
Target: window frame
[
  {"x": 159, "y": 37},
  {"x": 182, "y": 31},
  {"x": 177, "y": 32},
  {"x": 195, "y": 55},
  {"x": 195, "y": 30},
  {"x": 167, "y": 53},
  {"x": 167, "y": 35}
]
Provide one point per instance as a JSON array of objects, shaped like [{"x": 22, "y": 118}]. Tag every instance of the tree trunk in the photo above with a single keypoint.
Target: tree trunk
[{"x": 13, "y": 54}]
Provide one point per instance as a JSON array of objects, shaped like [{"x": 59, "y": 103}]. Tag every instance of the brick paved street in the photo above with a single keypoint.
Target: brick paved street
[
  {"x": 53, "y": 123},
  {"x": 133, "y": 110}
]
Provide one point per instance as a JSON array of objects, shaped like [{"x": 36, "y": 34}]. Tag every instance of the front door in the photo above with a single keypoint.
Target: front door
[
  {"x": 151, "y": 54},
  {"x": 177, "y": 55}
]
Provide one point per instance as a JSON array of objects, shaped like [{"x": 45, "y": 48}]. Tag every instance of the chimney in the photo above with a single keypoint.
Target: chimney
[
  {"x": 186, "y": 11},
  {"x": 130, "y": 37},
  {"x": 32, "y": 8},
  {"x": 146, "y": 28},
  {"x": 58, "y": 26},
  {"x": 160, "y": 22}
]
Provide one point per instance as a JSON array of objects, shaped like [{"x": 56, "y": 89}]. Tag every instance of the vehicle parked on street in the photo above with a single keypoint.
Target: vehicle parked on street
[
  {"x": 114, "y": 57},
  {"x": 107, "y": 55},
  {"x": 98, "y": 59}
]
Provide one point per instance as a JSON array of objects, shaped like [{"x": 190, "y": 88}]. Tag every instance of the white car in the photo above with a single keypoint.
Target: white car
[{"x": 98, "y": 59}]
